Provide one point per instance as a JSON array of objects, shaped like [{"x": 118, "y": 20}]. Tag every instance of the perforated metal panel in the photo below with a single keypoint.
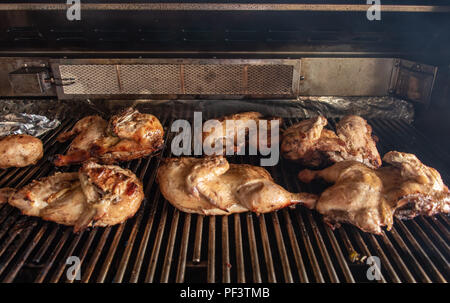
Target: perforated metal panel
[
  {"x": 150, "y": 79},
  {"x": 90, "y": 79},
  {"x": 178, "y": 77},
  {"x": 270, "y": 79},
  {"x": 214, "y": 79}
]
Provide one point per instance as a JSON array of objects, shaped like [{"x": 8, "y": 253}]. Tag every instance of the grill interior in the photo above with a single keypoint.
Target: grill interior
[{"x": 161, "y": 244}]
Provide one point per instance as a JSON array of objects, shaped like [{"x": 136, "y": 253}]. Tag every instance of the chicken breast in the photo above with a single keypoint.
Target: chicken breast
[
  {"x": 212, "y": 186},
  {"x": 97, "y": 195},
  {"x": 369, "y": 198},
  {"x": 20, "y": 151}
]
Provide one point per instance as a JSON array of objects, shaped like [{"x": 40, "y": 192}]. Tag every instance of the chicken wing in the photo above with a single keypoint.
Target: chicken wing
[
  {"x": 20, "y": 151},
  {"x": 128, "y": 135},
  {"x": 369, "y": 198},
  {"x": 97, "y": 195},
  {"x": 212, "y": 186},
  {"x": 309, "y": 143}
]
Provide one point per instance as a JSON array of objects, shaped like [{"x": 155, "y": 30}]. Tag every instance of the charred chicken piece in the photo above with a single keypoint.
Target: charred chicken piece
[
  {"x": 97, "y": 195},
  {"x": 369, "y": 198},
  {"x": 359, "y": 141},
  {"x": 309, "y": 143},
  {"x": 227, "y": 137},
  {"x": 86, "y": 131},
  {"x": 128, "y": 135},
  {"x": 20, "y": 151},
  {"x": 212, "y": 186}
]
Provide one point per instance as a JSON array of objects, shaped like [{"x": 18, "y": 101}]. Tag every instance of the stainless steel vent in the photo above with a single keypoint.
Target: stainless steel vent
[
  {"x": 267, "y": 79},
  {"x": 214, "y": 79},
  {"x": 150, "y": 79},
  {"x": 90, "y": 78},
  {"x": 174, "y": 78}
]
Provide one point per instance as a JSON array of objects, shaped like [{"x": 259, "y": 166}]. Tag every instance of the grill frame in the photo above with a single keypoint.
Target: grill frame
[{"x": 161, "y": 244}]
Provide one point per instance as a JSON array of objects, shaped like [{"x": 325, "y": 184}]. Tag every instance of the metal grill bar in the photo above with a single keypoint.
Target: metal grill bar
[
  {"x": 253, "y": 250},
  {"x": 184, "y": 247},
  {"x": 211, "y": 278},
  {"x": 239, "y": 249},
  {"x": 226, "y": 278},
  {"x": 292, "y": 245}
]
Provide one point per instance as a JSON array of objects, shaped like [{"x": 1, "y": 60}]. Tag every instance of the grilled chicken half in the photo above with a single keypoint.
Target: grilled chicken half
[
  {"x": 97, "y": 195},
  {"x": 212, "y": 186},
  {"x": 369, "y": 198},
  {"x": 20, "y": 151},
  {"x": 127, "y": 136},
  {"x": 244, "y": 122},
  {"x": 311, "y": 144}
]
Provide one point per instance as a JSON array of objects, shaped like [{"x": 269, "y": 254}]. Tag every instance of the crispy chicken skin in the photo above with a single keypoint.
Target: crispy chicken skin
[
  {"x": 228, "y": 137},
  {"x": 97, "y": 195},
  {"x": 369, "y": 198},
  {"x": 358, "y": 138},
  {"x": 86, "y": 131},
  {"x": 20, "y": 151},
  {"x": 127, "y": 136},
  {"x": 212, "y": 186},
  {"x": 309, "y": 143}
]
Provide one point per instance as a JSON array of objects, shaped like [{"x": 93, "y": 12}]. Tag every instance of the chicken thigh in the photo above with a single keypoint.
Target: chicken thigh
[
  {"x": 369, "y": 198},
  {"x": 212, "y": 186}
]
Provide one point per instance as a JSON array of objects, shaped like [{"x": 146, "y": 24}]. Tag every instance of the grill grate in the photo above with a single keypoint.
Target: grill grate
[{"x": 161, "y": 244}]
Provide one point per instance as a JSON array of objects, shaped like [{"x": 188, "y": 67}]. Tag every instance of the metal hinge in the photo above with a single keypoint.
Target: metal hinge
[{"x": 412, "y": 81}]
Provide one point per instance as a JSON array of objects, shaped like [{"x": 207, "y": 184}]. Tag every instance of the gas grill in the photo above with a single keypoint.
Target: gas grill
[{"x": 162, "y": 244}]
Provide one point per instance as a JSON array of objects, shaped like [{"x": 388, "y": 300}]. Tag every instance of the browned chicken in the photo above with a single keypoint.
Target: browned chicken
[
  {"x": 128, "y": 135},
  {"x": 370, "y": 198},
  {"x": 97, "y": 195},
  {"x": 212, "y": 186},
  {"x": 309, "y": 143},
  {"x": 360, "y": 143},
  {"x": 20, "y": 151},
  {"x": 228, "y": 136}
]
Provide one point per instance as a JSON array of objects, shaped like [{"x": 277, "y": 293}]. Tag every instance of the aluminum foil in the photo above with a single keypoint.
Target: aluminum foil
[
  {"x": 35, "y": 125},
  {"x": 35, "y": 117},
  {"x": 368, "y": 107},
  {"x": 32, "y": 117},
  {"x": 304, "y": 107}
]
